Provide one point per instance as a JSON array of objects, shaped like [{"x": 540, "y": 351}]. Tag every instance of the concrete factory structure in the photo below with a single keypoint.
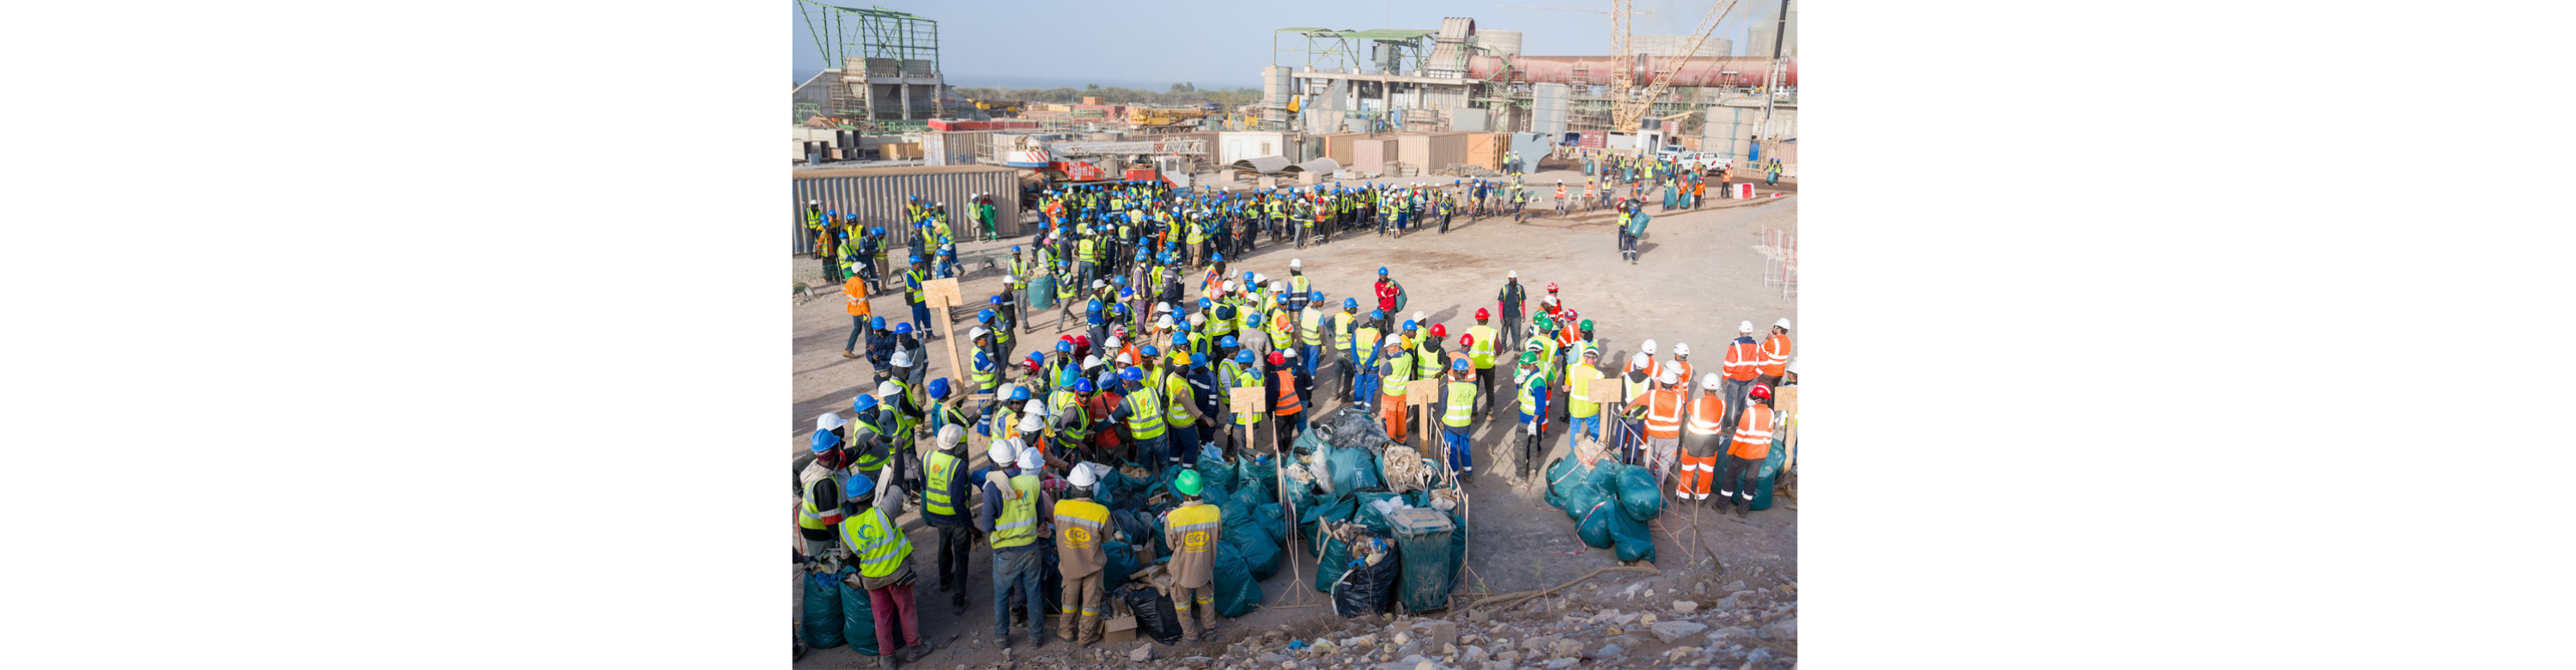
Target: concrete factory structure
[{"x": 1460, "y": 78}]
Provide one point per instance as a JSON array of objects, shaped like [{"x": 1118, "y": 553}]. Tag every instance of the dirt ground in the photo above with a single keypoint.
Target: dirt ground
[{"x": 1698, "y": 275}]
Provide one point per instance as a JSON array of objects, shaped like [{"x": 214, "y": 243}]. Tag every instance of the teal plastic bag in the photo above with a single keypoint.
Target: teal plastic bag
[
  {"x": 1593, "y": 524},
  {"x": 858, "y": 616},
  {"x": 822, "y": 621},
  {"x": 1216, "y": 471},
  {"x": 1639, "y": 498},
  {"x": 1770, "y": 473},
  {"x": 1237, "y": 591},
  {"x": 1368, "y": 515},
  {"x": 1633, "y": 540},
  {"x": 1259, "y": 475},
  {"x": 1330, "y": 565}
]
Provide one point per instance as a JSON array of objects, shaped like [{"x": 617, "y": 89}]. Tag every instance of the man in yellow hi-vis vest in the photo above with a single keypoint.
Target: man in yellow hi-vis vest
[
  {"x": 1192, "y": 531},
  {"x": 1080, "y": 556},
  {"x": 884, "y": 557},
  {"x": 1009, "y": 517}
]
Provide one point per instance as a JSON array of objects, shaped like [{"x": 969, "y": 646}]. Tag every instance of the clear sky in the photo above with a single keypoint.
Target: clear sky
[{"x": 1134, "y": 43}]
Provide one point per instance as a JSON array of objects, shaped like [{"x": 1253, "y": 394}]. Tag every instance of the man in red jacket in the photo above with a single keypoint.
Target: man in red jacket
[{"x": 1386, "y": 292}]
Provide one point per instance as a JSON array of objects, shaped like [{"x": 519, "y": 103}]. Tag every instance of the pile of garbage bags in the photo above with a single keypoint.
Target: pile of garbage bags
[
  {"x": 1336, "y": 485},
  {"x": 1609, "y": 502},
  {"x": 1251, "y": 543}
]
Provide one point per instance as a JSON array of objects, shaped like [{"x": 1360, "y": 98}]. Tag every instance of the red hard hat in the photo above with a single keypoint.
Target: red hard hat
[
  {"x": 1467, "y": 340},
  {"x": 1082, "y": 340},
  {"x": 1276, "y": 359},
  {"x": 1551, "y": 287},
  {"x": 1481, "y": 314},
  {"x": 1761, "y": 391},
  {"x": 1438, "y": 330}
]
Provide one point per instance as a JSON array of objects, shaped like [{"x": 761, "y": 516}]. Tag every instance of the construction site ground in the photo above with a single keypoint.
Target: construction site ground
[{"x": 1699, "y": 274}]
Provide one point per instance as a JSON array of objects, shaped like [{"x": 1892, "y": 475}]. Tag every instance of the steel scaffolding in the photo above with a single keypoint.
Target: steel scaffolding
[{"x": 867, "y": 45}]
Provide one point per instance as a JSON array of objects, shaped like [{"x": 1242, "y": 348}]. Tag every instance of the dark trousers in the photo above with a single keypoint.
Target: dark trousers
[
  {"x": 1738, "y": 481},
  {"x": 831, "y": 271},
  {"x": 1627, "y": 246},
  {"x": 1183, "y": 449},
  {"x": 1485, "y": 389},
  {"x": 1736, "y": 395},
  {"x": 956, "y": 544},
  {"x": 1512, "y": 324},
  {"x": 1285, "y": 429},
  {"x": 858, "y": 329}
]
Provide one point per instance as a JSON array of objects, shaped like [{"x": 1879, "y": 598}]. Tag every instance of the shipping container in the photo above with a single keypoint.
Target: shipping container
[
  {"x": 1486, "y": 149},
  {"x": 1432, "y": 151},
  {"x": 877, "y": 196},
  {"x": 1245, "y": 144},
  {"x": 1372, "y": 155}
]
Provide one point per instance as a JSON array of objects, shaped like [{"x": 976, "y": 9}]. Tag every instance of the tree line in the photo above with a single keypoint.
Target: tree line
[{"x": 1180, "y": 94}]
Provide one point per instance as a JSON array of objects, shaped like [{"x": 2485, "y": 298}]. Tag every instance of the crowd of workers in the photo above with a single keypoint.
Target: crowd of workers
[{"x": 1148, "y": 378}]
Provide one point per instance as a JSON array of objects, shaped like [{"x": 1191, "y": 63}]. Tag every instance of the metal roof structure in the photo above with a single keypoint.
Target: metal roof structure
[
  {"x": 1262, "y": 165},
  {"x": 1319, "y": 165}
]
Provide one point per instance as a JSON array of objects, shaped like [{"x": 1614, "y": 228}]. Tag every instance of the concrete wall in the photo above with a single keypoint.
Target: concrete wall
[{"x": 877, "y": 195}]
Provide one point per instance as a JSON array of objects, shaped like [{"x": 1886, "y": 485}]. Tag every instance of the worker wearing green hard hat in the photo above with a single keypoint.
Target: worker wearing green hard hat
[{"x": 1192, "y": 532}]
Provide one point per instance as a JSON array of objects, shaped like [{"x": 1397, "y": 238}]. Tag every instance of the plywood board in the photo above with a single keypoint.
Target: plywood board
[
  {"x": 1604, "y": 390},
  {"x": 1247, "y": 400},
  {"x": 941, "y": 292},
  {"x": 1422, "y": 392}
]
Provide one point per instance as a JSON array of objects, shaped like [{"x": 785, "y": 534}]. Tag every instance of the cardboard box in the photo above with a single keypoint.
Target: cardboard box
[{"x": 1121, "y": 626}]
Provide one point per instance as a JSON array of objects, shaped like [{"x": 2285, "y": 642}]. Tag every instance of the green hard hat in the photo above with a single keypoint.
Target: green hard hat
[
  {"x": 1539, "y": 320},
  {"x": 1587, "y": 324},
  {"x": 1188, "y": 482},
  {"x": 1527, "y": 358}
]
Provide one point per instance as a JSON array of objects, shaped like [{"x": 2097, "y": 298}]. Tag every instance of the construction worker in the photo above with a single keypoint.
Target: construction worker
[
  {"x": 1386, "y": 292},
  {"x": 856, "y": 290},
  {"x": 1310, "y": 332},
  {"x": 1510, "y": 302},
  {"x": 1242, "y": 375},
  {"x": 884, "y": 556},
  {"x": 1480, "y": 342},
  {"x": 1664, "y": 409},
  {"x": 1140, "y": 410},
  {"x": 1068, "y": 414},
  {"x": 1680, "y": 364},
  {"x": 1343, "y": 322},
  {"x": 1744, "y": 457},
  {"x": 1637, "y": 381},
  {"x": 912, "y": 293},
  {"x": 1775, "y": 355},
  {"x": 1397, "y": 370},
  {"x": 1743, "y": 363},
  {"x": 1193, "y": 533},
  {"x": 1583, "y": 417},
  {"x": 1429, "y": 357},
  {"x": 1008, "y": 516},
  {"x": 1458, "y": 413},
  {"x": 999, "y": 317},
  {"x": 1531, "y": 387},
  {"x": 1184, "y": 395},
  {"x": 1083, "y": 528},
  {"x": 818, "y": 514},
  {"x": 1700, "y": 444},
  {"x": 867, "y": 443},
  {"x": 943, "y": 505},
  {"x": 1287, "y": 406},
  {"x": 1560, "y": 197}
]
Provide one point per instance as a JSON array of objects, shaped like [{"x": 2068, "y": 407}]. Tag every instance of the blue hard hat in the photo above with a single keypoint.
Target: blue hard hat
[
  {"x": 1019, "y": 393},
  {"x": 1068, "y": 377},
  {"x": 916, "y": 259},
  {"x": 1149, "y": 351},
  {"x": 1180, "y": 341},
  {"x": 1065, "y": 346},
  {"x": 1132, "y": 373},
  {"x": 1125, "y": 293},
  {"x": 939, "y": 387},
  {"x": 860, "y": 486},
  {"x": 1244, "y": 356},
  {"x": 985, "y": 316},
  {"x": 1408, "y": 324},
  {"x": 1180, "y": 327},
  {"x": 995, "y": 300},
  {"x": 1381, "y": 272},
  {"x": 877, "y": 323},
  {"x": 1015, "y": 248},
  {"x": 1247, "y": 277},
  {"x": 904, "y": 328},
  {"x": 1118, "y": 308},
  {"x": 1082, "y": 386},
  {"x": 1377, "y": 313},
  {"x": 1093, "y": 307},
  {"x": 1217, "y": 257},
  {"x": 1315, "y": 295},
  {"x": 1350, "y": 303},
  {"x": 1227, "y": 341},
  {"x": 864, "y": 403},
  {"x": 1460, "y": 364},
  {"x": 877, "y": 230},
  {"x": 1120, "y": 280},
  {"x": 1198, "y": 360},
  {"x": 1203, "y": 303},
  {"x": 824, "y": 439},
  {"x": 1142, "y": 254}
]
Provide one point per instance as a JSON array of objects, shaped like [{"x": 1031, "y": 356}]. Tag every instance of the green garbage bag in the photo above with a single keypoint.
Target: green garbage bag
[
  {"x": 1331, "y": 563},
  {"x": 1122, "y": 562},
  {"x": 1593, "y": 524},
  {"x": 858, "y": 616},
  {"x": 1368, "y": 515},
  {"x": 1639, "y": 498},
  {"x": 1259, "y": 475},
  {"x": 822, "y": 620},
  {"x": 1770, "y": 473},
  {"x": 1633, "y": 540},
  {"x": 1353, "y": 470},
  {"x": 1237, "y": 592},
  {"x": 1216, "y": 471}
]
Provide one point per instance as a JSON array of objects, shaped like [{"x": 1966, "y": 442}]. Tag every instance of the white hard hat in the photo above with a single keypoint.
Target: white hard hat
[
  {"x": 1744, "y": 326},
  {"x": 813, "y": 202},
  {"x": 1197, "y": 320},
  {"x": 1279, "y": 286},
  {"x": 1097, "y": 283},
  {"x": 979, "y": 331},
  {"x": 1711, "y": 381},
  {"x": 1229, "y": 286},
  {"x": 1421, "y": 318},
  {"x": 1647, "y": 348},
  {"x": 950, "y": 435},
  {"x": 1782, "y": 324},
  {"x": 1670, "y": 376},
  {"x": 1793, "y": 367},
  {"x": 1296, "y": 262},
  {"x": 1113, "y": 343},
  {"x": 1006, "y": 279},
  {"x": 1164, "y": 321},
  {"x": 1259, "y": 278},
  {"x": 1001, "y": 453},
  {"x": 1030, "y": 459},
  {"x": 1681, "y": 348},
  {"x": 1124, "y": 360},
  {"x": 888, "y": 388},
  {"x": 1030, "y": 423},
  {"x": 1394, "y": 340},
  {"x": 1290, "y": 352},
  {"x": 902, "y": 359},
  {"x": 830, "y": 421},
  {"x": 1161, "y": 307},
  {"x": 1092, "y": 361},
  {"x": 1035, "y": 408},
  {"x": 1515, "y": 274},
  {"x": 1082, "y": 475}
]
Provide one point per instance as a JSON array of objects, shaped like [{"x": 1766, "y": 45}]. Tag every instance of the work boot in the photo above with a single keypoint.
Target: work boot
[
  {"x": 1189, "y": 625},
  {"x": 1037, "y": 641},
  {"x": 1207, "y": 617},
  {"x": 845, "y": 353},
  {"x": 1064, "y": 626},
  {"x": 957, "y": 605},
  {"x": 1090, "y": 630}
]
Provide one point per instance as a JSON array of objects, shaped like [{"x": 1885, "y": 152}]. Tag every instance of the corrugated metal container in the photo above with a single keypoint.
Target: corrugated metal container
[
  {"x": 877, "y": 195},
  {"x": 1432, "y": 151},
  {"x": 1486, "y": 149},
  {"x": 1371, "y": 155},
  {"x": 955, "y": 147},
  {"x": 1337, "y": 146}
]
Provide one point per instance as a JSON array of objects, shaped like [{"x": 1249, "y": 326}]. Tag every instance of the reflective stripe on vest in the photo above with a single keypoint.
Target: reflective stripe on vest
[
  {"x": 1657, "y": 416},
  {"x": 1083, "y": 524},
  {"x": 1289, "y": 402},
  {"x": 1195, "y": 525},
  {"x": 1398, "y": 371},
  {"x": 1342, "y": 331},
  {"x": 1426, "y": 363},
  {"x": 1176, "y": 413},
  {"x": 1753, "y": 433},
  {"x": 1743, "y": 362},
  {"x": 1578, "y": 384},
  {"x": 810, "y": 516},
  {"x": 1310, "y": 327},
  {"x": 1707, "y": 415},
  {"x": 1482, "y": 352},
  {"x": 1018, "y": 525},
  {"x": 1144, "y": 414},
  {"x": 941, "y": 469},
  {"x": 881, "y": 546},
  {"x": 1063, "y": 402},
  {"x": 1462, "y": 404}
]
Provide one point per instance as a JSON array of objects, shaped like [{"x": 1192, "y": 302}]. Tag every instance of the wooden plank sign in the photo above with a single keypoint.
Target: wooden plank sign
[
  {"x": 1603, "y": 390},
  {"x": 1422, "y": 392},
  {"x": 941, "y": 292},
  {"x": 1247, "y": 400}
]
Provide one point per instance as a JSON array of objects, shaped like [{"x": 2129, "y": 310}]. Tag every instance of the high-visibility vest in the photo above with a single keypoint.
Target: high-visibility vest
[
  {"x": 912, "y": 286},
  {"x": 1664, "y": 413},
  {"x": 1342, "y": 331},
  {"x": 1198, "y": 232},
  {"x": 1752, "y": 433},
  {"x": 1310, "y": 327},
  {"x": 985, "y": 375},
  {"x": 1177, "y": 394},
  {"x": 1019, "y": 269},
  {"x": 1063, "y": 401},
  {"x": 879, "y": 544},
  {"x": 1297, "y": 284},
  {"x": 1217, "y": 327},
  {"x": 1775, "y": 356},
  {"x": 818, "y": 514},
  {"x": 1086, "y": 250},
  {"x": 1681, "y": 370},
  {"x": 1482, "y": 352},
  {"x": 863, "y": 459},
  {"x": 1531, "y": 383},
  {"x": 940, "y": 470},
  {"x": 1245, "y": 379},
  {"x": 1144, "y": 414},
  {"x": 1018, "y": 525},
  {"x": 1708, "y": 414},
  {"x": 1289, "y": 402},
  {"x": 1368, "y": 338},
  {"x": 1578, "y": 383},
  {"x": 1636, "y": 388},
  {"x": 1743, "y": 361},
  {"x": 1398, "y": 371},
  {"x": 1427, "y": 363},
  {"x": 1462, "y": 404}
]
